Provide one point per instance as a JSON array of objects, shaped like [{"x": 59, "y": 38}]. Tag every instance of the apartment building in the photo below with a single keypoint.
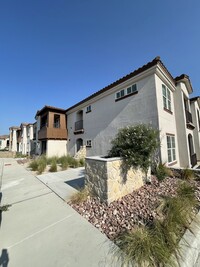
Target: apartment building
[
  {"x": 51, "y": 131},
  {"x": 4, "y": 142},
  {"x": 21, "y": 138},
  {"x": 148, "y": 95}
]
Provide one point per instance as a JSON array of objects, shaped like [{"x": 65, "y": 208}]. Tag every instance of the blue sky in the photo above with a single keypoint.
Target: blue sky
[{"x": 57, "y": 52}]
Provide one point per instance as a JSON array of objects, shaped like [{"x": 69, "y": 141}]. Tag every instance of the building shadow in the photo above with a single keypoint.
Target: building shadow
[
  {"x": 76, "y": 183},
  {"x": 4, "y": 258}
]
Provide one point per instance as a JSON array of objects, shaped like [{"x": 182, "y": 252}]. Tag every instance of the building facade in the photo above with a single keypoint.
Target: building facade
[{"x": 4, "y": 142}]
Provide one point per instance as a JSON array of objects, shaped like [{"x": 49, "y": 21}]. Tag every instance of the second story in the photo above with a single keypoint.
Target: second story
[{"x": 51, "y": 123}]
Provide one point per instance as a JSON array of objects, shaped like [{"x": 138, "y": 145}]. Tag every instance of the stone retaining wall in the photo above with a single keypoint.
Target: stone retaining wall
[
  {"x": 109, "y": 179},
  {"x": 7, "y": 154}
]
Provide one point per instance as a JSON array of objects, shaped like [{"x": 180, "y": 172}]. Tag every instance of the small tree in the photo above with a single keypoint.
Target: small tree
[{"x": 136, "y": 145}]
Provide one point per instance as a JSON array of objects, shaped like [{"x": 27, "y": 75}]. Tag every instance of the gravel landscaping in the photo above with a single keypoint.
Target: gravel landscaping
[{"x": 139, "y": 207}]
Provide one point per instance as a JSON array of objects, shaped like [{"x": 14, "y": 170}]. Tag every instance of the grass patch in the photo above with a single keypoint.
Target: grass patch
[
  {"x": 81, "y": 162},
  {"x": 33, "y": 165},
  {"x": 42, "y": 163},
  {"x": 154, "y": 244},
  {"x": 162, "y": 172},
  {"x": 80, "y": 196},
  {"x": 187, "y": 174},
  {"x": 53, "y": 167}
]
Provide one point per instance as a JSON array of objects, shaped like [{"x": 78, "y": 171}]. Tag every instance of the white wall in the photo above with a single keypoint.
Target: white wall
[
  {"x": 196, "y": 133},
  {"x": 167, "y": 122},
  {"x": 3, "y": 143},
  {"x": 107, "y": 116},
  {"x": 56, "y": 148}
]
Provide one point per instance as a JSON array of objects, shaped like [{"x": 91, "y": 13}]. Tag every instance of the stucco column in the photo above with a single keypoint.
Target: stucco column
[{"x": 14, "y": 141}]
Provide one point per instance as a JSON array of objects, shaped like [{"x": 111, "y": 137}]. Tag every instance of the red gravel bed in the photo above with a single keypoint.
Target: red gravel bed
[{"x": 139, "y": 207}]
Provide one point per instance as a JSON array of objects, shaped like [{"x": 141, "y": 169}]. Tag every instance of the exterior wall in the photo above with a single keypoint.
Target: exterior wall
[
  {"x": 3, "y": 142},
  {"x": 167, "y": 120},
  {"x": 14, "y": 141},
  {"x": 196, "y": 132},
  {"x": 182, "y": 130},
  {"x": 56, "y": 148},
  {"x": 107, "y": 116},
  {"x": 109, "y": 180},
  {"x": 24, "y": 140}
]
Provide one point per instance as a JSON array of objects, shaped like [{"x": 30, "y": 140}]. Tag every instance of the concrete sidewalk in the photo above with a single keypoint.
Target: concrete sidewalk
[{"x": 40, "y": 229}]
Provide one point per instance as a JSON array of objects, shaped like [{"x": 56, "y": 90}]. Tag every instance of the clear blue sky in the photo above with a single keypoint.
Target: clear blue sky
[{"x": 57, "y": 52}]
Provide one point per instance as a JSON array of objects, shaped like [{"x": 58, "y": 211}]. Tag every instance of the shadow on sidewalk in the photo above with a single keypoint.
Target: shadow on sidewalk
[
  {"x": 4, "y": 258},
  {"x": 76, "y": 183}
]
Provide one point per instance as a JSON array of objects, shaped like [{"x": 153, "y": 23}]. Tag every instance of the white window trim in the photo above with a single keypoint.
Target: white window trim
[
  {"x": 124, "y": 92},
  {"x": 172, "y": 148},
  {"x": 88, "y": 109},
  {"x": 89, "y": 143},
  {"x": 167, "y": 97}
]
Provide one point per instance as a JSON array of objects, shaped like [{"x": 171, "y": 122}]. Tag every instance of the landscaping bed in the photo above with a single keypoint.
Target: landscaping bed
[{"x": 137, "y": 208}]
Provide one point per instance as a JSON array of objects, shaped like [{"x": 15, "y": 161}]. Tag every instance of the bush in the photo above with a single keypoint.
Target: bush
[
  {"x": 42, "y": 163},
  {"x": 82, "y": 162},
  {"x": 52, "y": 159},
  {"x": 162, "y": 172},
  {"x": 53, "y": 167},
  {"x": 154, "y": 244},
  {"x": 33, "y": 165},
  {"x": 136, "y": 145},
  {"x": 64, "y": 162},
  {"x": 187, "y": 174}
]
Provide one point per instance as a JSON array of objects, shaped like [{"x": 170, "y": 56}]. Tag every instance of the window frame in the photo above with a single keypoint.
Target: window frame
[
  {"x": 88, "y": 109},
  {"x": 167, "y": 99},
  {"x": 128, "y": 91},
  {"x": 88, "y": 143},
  {"x": 171, "y": 148}
]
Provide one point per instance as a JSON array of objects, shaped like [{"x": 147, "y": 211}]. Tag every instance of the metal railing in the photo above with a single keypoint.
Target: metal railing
[
  {"x": 193, "y": 159},
  {"x": 79, "y": 125},
  {"x": 188, "y": 116}
]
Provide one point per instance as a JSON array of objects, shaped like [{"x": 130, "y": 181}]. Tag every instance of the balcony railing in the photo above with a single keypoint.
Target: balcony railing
[
  {"x": 193, "y": 160},
  {"x": 79, "y": 125},
  {"x": 188, "y": 116}
]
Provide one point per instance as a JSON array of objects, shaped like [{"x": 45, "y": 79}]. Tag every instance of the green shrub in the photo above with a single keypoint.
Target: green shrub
[
  {"x": 162, "y": 172},
  {"x": 52, "y": 159},
  {"x": 187, "y": 174},
  {"x": 33, "y": 165},
  {"x": 42, "y": 163},
  {"x": 64, "y": 162},
  {"x": 81, "y": 162},
  {"x": 53, "y": 167},
  {"x": 154, "y": 244},
  {"x": 136, "y": 145}
]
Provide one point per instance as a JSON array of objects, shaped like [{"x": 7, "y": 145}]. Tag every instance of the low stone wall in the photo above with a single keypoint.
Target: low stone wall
[
  {"x": 7, "y": 154},
  {"x": 109, "y": 179}
]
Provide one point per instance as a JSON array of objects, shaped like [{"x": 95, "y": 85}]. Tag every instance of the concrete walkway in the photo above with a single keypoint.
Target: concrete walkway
[{"x": 40, "y": 229}]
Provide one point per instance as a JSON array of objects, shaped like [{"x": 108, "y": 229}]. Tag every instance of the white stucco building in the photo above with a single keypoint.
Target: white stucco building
[
  {"x": 21, "y": 138},
  {"x": 4, "y": 142},
  {"x": 148, "y": 95}
]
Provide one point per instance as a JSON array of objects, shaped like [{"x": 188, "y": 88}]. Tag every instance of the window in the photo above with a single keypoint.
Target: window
[
  {"x": 56, "y": 123},
  {"x": 171, "y": 149},
  {"x": 88, "y": 109},
  {"x": 88, "y": 143},
  {"x": 166, "y": 98},
  {"x": 125, "y": 92}
]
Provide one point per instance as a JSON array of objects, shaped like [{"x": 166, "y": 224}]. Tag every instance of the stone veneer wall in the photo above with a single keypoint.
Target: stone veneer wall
[
  {"x": 81, "y": 154},
  {"x": 109, "y": 180}
]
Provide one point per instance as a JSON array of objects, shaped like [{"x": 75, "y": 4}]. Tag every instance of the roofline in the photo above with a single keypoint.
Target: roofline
[
  {"x": 186, "y": 79},
  {"x": 145, "y": 67},
  {"x": 50, "y": 108}
]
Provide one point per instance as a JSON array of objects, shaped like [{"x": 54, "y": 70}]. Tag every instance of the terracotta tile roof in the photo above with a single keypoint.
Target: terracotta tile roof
[
  {"x": 145, "y": 67},
  {"x": 49, "y": 108},
  {"x": 184, "y": 77}
]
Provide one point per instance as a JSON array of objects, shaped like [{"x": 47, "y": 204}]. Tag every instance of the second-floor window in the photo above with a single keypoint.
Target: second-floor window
[
  {"x": 56, "y": 123},
  {"x": 88, "y": 109},
  {"x": 166, "y": 98},
  {"x": 132, "y": 89}
]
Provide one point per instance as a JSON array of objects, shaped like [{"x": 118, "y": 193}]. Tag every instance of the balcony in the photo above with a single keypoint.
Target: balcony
[
  {"x": 189, "y": 122},
  {"x": 78, "y": 127},
  {"x": 52, "y": 133},
  {"x": 193, "y": 160}
]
